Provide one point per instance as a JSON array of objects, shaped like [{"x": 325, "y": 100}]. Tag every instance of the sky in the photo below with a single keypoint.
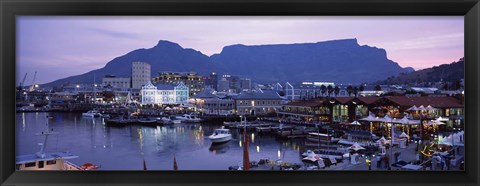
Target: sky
[{"x": 62, "y": 46}]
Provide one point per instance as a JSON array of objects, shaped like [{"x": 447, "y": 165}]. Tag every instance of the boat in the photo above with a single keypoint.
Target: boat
[
  {"x": 174, "y": 120},
  {"x": 47, "y": 161},
  {"x": 364, "y": 138},
  {"x": 92, "y": 113},
  {"x": 321, "y": 138},
  {"x": 220, "y": 135},
  {"x": 330, "y": 154},
  {"x": 189, "y": 118},
  {"x": 149, "y": 121}
]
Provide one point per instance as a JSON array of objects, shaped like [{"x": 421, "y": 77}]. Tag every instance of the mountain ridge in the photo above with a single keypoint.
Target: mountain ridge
[{"x": 320, "y": 61}]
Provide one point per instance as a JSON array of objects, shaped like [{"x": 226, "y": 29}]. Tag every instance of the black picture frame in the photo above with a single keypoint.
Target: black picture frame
[{"x": 11, "y": 8}]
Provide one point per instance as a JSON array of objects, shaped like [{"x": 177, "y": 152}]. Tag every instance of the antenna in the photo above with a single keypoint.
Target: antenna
[{"x": 41, "y": 153}]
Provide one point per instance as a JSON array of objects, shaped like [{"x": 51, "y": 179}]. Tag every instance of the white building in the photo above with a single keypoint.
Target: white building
[
  {"x": 164, "y": 94},
  {"x": 116, "y": 82},
  {"x": 140, "y": 74}
]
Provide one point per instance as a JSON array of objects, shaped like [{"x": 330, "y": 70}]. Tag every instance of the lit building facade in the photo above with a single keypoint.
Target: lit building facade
[
  {"x": 257, "y": 103},
  {"x": 164, "y": 94}
]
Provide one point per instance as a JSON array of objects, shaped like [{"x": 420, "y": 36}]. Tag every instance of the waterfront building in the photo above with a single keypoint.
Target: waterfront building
[
  {"x": 257, "y": 103},
  {"x": 140, "y": 74},
  {"x": 167, "y": 94},
  {"x": 192, "y": 80},
  {"x": 313, "y": 111},
  {"x": 208, "y": 103},
  {"x": 304, "y": 90},
  {"x": 116, "y": 82},
  {"x": 349, "y": 109}
]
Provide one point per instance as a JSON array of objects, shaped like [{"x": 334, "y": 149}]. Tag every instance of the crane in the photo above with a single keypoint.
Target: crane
[
  {"x": 20, "y": 87},
  {"x": 33, "y": 82}
]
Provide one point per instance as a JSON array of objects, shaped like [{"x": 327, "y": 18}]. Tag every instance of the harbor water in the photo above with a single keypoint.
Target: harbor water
[{"x": 124, "y": 148}]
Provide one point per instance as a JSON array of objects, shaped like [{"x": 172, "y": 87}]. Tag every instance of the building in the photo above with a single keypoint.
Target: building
[
  {"x": 233, "y": 82},
  {"x": 223, "y": 85},
  {"x": 192, "y": 80},
  {"x": 257, "y": 103},
  {"x": 140, "y": 74},
  {"x": 164, "y": 94},
  {"x": 211, "y": 81},
  {"x": 245, "y": 84},
  {"x": 211, "y": 104},
  {"x": 116, "y": 82}
]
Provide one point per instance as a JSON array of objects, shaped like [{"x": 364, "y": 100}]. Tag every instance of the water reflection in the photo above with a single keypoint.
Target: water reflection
[
  {"x": 220, "y": 148},
  {"x": 124, "y": 148}
]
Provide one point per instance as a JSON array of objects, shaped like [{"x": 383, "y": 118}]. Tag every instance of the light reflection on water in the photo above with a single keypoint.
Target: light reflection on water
[{"x": 124, "y": 148}]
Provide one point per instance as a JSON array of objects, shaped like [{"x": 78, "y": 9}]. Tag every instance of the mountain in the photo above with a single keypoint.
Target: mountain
[
  {"x": 446, "y": 72},
  {"x": 165, "y": 56},
  {"x": 341, "y": 61}
]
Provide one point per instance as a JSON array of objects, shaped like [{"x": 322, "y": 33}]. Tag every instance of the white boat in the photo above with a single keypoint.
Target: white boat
[
  {"x": 168, "y": 121},
  {"x": 321, "y": 138},
  {"x": 92, "y": 113},
  {"x": 47, "y": 161},
  {"x": 220, "y": 135},
  {"x": 189, "y": 118}
]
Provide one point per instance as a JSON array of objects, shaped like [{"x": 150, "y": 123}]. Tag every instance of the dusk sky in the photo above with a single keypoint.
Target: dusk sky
[{"x": 58, "y": 47}]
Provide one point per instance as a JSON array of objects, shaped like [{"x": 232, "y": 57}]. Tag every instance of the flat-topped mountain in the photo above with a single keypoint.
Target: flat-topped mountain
[{"x": 341, "y": 61}]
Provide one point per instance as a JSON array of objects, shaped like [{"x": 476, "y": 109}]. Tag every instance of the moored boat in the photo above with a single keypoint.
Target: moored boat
[
  {"x": 220, "y": 136},
  {"x": 92, "y": 113},
  {"x": 189, "y": 118}
]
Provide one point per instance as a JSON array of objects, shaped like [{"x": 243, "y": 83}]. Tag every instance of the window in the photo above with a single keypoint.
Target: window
[
  {"x": 41, "y": 164},
  {"x": 31, "y": 164}
]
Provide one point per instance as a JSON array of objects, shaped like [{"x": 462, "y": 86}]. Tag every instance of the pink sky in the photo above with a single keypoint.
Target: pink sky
[{"x": 75, "y": 45}]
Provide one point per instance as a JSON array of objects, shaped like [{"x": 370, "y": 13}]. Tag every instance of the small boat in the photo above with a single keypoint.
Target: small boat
[
  {"x": 321, "y": 138},
  {"x": 189, "y": 118},
  {"x": 312, "y": 158},
  {"x": 117, "y": 122},
  {"x": 92, "y": 113},
  {"x": 220, "y": 136},
  {"x": 175, "y": 120},
  {"x": 169, "y": 120},
  {"x": 147, "y": 121},
  {"x": 308, "y": 153}
]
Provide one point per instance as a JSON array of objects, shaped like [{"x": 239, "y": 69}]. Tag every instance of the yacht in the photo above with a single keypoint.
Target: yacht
[
  {"x": 189, "y": 118},
  {"x": 92, "y": 113},
  {"x": 220, "y": 136}
]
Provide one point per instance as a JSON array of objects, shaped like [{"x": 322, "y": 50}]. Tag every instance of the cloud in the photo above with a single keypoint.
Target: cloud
[{"x": 115, "y": 34}]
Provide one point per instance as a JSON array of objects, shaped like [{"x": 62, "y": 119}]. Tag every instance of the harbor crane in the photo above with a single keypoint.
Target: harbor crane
[
  {"x": 20, "y": 87},
  {"x": 33, "y": 82}
]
